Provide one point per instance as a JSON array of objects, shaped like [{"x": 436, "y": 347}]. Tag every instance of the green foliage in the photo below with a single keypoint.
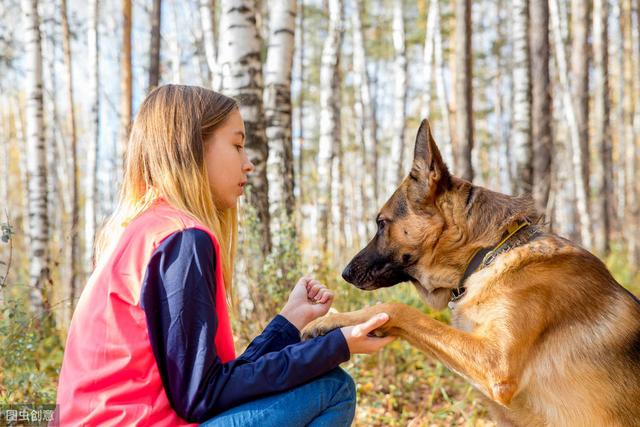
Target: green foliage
[
  {"x": 271, "y": 277},
  {"x": 31, "y": 352},
  {"x": 618, "y": 264},
  {"x": 31, "y": 347}
]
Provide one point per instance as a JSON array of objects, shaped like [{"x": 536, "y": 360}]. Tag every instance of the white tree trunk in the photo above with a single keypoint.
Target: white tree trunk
[
  {"x": 74, "y": 261},
  {"x": 278, "y": 111},
  {"x": 618, "y": 66},
  {"x": 359, "y": 183},
  {"x": 4, "y": 180},
  {"x": 502, "y": 105},
  {"x": 174, "y": 46},
  {"x": 574, "y": 134},
  {"x": 629, "y": 141},
  {"x": 579, "y": 83},
  {"x": 301, "y": 188},
  {"x": 365, "y": 122},
  {"x": 126, "y": 89},
  {"x": 21, "y": 135},
  {"x": 207, "y": 19},
  {"x": 338, "y": 209},
  {"x": 602, "y": 165},
  {"x": 428, "y": 59},
  {"x": 521, "y": 134},
  {"x": 441, "y": 88},
  {"x": 395, "y": 169},
  {"x": 241, "y": 67},
  {"x": 91, "y": 203},
  {"x": 38, "y": 224},
  {"x": 329, "y": 120}
]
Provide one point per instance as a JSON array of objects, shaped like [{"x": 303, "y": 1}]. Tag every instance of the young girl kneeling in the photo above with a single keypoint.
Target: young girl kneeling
[{"x": 150, "y": 342}]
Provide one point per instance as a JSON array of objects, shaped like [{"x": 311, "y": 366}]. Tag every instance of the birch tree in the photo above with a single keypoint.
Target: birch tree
[
  {"x": 441, "y": 86},
  {"x": 329, "y": 119},
  {"x": 300, "y": 115},
  {"x": 602, "y": 178},
  {"x": 154, "y": 45},
  {"x": 175, "y": 52},
  {"x": 91, "y": 203},
  {"x": 628, "y": 142},
  {"x": 38, "y": 222},
  {"x": 617, "y": 65},
  {"x": 503, "y": 107},
  {"x": 241, "y": 67},
  {"x": 541, "y": 137},
  {"x": 74, "y": 267},
  {"x": 428, "y": 60},
  {"x": 5, "y": 118},
  {"x": 366, "y": 121},
  {"x": 464, "y": 91},
  {"x": 207, "y": 17},
  {"x": 125, "y": 80},
  {"x": 574, "y": 132},
  {"x": 278, "y": 110},
  {"x": 395, "y": 170},
  {"x": 580, "y": 17},
  {"x": 521, "y": 134}
]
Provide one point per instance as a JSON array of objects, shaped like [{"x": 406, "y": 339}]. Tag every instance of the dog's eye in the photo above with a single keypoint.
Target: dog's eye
[{"x": 381, "y": 224}]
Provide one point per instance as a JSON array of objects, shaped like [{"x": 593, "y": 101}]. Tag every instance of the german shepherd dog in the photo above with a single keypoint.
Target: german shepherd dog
[{"x": 540, "y": 327}]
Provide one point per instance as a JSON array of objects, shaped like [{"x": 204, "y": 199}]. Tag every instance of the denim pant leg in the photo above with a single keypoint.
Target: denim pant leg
[{"x": 327, "y": 401}]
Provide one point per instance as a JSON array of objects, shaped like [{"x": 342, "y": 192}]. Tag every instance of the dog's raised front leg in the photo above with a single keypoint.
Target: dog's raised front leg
[{"x": 481, "y": 360}]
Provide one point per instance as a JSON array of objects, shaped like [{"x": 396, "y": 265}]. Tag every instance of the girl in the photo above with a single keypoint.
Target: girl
[{"x": 150, "y": 340}]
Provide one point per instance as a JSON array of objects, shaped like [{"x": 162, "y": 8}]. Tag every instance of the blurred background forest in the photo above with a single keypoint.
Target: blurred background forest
[{"x": 524, "y": 96}]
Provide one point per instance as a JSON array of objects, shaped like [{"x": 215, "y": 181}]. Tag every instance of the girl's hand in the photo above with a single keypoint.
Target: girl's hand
[
  {"x": 360, "y": 342},
  {"x": 308, "y": 300}
]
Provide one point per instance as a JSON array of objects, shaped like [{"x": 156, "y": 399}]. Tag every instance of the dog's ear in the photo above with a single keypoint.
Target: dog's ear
[{"x": 428, "y": 171}]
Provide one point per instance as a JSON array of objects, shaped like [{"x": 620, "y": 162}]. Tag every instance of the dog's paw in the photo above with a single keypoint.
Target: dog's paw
[{"x": 320, "y": 326}]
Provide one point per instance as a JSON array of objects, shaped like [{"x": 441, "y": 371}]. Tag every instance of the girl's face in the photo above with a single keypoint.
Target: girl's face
[{"x": 227, "y": 162}]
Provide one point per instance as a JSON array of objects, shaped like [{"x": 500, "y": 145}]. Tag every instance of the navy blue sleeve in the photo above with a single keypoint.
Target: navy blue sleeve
[
  {"x": 278, "y": 334},
  {"x": 178, "y": 298}
]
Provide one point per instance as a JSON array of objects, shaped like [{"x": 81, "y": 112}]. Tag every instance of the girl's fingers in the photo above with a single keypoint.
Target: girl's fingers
[
  {"x": 313, "y": 283},
  {"x": 317, "y": 287},
  {"x": 327, "y": 297},
  {"x": 374, "y": 322},
  {"x": 324, "y": 296}
]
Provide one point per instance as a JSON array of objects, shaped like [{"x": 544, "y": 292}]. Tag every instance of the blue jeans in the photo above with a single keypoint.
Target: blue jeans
[{"x": 329, "y": 400}]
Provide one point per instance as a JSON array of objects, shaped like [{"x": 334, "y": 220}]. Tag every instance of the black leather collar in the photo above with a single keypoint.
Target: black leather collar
[{"x": 485, "y": 256}]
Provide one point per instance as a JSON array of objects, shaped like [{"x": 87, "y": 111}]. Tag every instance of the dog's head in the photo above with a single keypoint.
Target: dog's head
[{"x": 430, "y": 227}]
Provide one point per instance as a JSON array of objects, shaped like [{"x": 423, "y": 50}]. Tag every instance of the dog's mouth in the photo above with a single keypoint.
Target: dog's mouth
[{"x": 375, "y": 278}]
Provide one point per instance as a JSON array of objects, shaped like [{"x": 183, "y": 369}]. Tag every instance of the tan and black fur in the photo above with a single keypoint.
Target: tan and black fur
[{"x": 544, "y": 331}]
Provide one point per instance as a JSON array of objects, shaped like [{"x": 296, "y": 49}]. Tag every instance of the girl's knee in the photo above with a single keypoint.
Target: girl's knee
[{"x": 347, "y": 387}]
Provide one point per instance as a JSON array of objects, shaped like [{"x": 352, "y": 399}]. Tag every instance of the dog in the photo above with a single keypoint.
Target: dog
[{"x": 539, "y": 325}]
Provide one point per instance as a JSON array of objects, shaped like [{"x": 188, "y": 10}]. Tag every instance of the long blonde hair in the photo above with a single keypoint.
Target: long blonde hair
[{"x": 165, "y": 158}]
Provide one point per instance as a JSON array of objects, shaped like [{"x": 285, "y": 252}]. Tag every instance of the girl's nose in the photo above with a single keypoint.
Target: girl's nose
[{"x": 248, "y": 166}]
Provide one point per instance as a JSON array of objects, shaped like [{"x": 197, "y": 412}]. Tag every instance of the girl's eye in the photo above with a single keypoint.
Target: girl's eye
[{"x": 239, "y": 147}]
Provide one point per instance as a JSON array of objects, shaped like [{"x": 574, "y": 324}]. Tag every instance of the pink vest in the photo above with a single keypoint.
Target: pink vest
[{"x": 109, "y": 375}]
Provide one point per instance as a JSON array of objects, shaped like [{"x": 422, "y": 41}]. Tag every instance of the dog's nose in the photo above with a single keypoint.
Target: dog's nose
[{"x": 347, "y": 273}]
